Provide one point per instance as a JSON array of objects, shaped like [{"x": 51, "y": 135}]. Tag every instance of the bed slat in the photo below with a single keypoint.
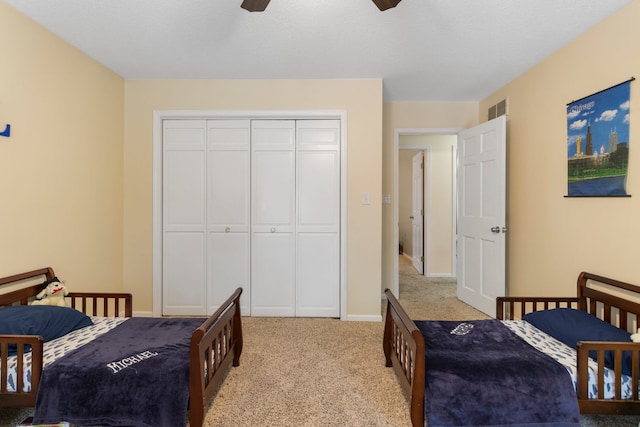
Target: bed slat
[{"x": 100, "y": 304}]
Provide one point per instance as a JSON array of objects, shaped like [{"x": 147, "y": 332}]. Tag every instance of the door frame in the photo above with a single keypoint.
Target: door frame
[
  {"x": 397, "y": 133},
  {"x": 160, "y": 115}
]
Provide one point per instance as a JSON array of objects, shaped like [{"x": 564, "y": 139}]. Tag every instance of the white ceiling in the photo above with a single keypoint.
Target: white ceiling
[{"x": 424, "y": 50}]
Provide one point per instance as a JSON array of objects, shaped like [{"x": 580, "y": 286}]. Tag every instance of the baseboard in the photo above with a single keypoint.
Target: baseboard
[
  {"x": 143, "y": 314},
  {"x": 364, "y": 318}
]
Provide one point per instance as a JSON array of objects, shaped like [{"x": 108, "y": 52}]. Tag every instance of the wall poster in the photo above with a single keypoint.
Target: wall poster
[{"x": 598, "y": 143}]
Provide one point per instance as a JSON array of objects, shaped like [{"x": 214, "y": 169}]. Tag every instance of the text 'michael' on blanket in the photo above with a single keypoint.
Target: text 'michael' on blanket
[{"x": 136, "y": 375}]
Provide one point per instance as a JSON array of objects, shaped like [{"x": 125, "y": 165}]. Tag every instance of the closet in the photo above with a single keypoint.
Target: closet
[{"x": 251, "y": 203}]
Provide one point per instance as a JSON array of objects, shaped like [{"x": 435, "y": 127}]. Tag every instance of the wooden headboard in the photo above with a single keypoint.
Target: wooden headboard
[
  {"x": 613, "y": 301},
  {"x": 90, "y": 303},
  {"x": 24, "y": 295}
]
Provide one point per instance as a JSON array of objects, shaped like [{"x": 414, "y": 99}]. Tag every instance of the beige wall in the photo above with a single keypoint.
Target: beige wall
[
  {"x": 552, "y": 238},
  {"x": 412, "y": 115},
  {"x": 362, "y": 100},
  {"x": 61, "y": 169}
]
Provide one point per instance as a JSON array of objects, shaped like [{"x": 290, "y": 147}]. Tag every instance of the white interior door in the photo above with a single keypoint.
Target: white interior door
[
  {"x": 481, "y": 214},
  {"x": 417, "y": 210}
]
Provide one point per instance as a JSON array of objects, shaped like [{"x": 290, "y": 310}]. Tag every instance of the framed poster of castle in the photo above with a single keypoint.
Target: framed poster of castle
[{"x": 598, "y": 143}]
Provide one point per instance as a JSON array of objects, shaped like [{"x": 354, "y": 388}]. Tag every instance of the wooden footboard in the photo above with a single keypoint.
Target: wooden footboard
[
  {"x": 215, "y": 346},
  {"x": 599, "y": 404},
  {"x": 25, "y": 287},
  {"x": 403, "y": 346},
  {"x": 613, "y": 301}
]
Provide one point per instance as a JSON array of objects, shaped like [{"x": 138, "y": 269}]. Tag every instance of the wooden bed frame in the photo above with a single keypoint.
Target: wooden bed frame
[
  {"x": 215, "y": 345},
  {"x": 615, "y": 302}
]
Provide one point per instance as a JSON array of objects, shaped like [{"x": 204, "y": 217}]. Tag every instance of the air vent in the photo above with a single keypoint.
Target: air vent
[{"x": 500, "y": 109}]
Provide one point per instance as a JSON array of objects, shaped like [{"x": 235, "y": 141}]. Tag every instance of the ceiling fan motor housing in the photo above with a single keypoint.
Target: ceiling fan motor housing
[
  {"x": 261, "y": 5},
  {"x": 386, "y": 4},
  {"x": 255, "y": 5}
]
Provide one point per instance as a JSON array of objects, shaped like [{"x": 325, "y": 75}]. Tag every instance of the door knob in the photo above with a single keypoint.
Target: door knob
[
  {"x": 273, "y": 229},
  {"x": 495, "y": 229},
  {"x": 228, "y": 229}
]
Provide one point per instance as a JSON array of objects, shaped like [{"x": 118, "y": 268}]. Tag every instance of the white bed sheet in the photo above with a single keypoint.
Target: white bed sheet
[
  {"x": 567, "y": 357},
  {"x": 57, "y": 348}
]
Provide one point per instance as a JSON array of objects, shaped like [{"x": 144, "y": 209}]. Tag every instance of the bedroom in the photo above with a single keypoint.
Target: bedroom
[
  {"x": 81, "y": 142},
  {"x": 67, "y": 111}
]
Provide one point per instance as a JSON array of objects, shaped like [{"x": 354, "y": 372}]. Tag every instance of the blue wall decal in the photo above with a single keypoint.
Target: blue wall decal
[{"x": 7, "y": 131}]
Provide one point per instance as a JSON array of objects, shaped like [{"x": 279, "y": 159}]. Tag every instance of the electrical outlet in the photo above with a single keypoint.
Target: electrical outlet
[{"x": 386, "y": 199}]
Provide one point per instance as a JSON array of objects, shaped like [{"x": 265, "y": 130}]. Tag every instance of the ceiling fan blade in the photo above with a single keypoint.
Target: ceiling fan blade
[
  {"x": 255, "y": 5},
  {"x": 386, "y": 4}
]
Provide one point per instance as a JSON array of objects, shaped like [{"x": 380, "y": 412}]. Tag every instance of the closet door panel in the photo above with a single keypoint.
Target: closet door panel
[
  {"x": 228, "y": 268},
  {"x": 272, "y": 190},
  {"x": 273, "y": 218},
  {"x": 318, "y": 189},
  {"x": 228, "y": 211},
  {"x": 229, "y": 174},
  {"x": 183, "y": 274},
  {"x": 183, "y": 216},
  {"x": 228, "y": 190},
  {"x": 318, "y": 134},
  {"x": 272, "y": 273},
  {"x": 318, "y": 272},
  {"x": 318, "y": 218}
]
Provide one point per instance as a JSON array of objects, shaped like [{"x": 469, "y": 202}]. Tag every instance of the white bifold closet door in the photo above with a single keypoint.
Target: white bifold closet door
[
  {"x": 318, "y": 218},
  {"x": 273, "y": 218},
  {"x": 228, "y": 212},
  {"x": 251, "y": 203},
  {"x": 296, "y": 218},
  {"x": 184, "y": 217}
]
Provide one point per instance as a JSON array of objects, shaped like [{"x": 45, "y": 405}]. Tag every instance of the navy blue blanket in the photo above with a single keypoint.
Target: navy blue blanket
[
  {"x": 491, "y": 377},
  {"x": 134, "y": 375}
]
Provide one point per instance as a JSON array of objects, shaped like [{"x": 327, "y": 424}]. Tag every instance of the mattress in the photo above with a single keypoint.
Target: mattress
[
  {"x": 567, "y": 357},
  {"x": 57, "y": 348}
]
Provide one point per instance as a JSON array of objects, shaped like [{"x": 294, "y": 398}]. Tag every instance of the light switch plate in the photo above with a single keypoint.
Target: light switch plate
[
  {"x": 386, "y": 199},
  {"x": 366, "y": 198}
]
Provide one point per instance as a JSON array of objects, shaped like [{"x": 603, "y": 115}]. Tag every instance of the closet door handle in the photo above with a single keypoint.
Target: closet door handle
[
  {"x": 273, "y": 229},
  {"x": 228, "y": 229}
]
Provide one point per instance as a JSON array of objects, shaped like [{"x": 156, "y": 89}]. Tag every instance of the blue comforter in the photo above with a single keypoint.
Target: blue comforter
[
  {"x": 134, "y": 375},
  {"x": 491, "y": 377}
]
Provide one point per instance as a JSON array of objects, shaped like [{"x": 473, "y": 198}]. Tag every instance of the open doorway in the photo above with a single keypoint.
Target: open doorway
[{"x": 439, "y": 199}]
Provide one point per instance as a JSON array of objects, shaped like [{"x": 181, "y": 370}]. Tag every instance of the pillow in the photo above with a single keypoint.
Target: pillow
[
  {"x": 570, "y": 326},
  {"x": 48, "y": 321}
]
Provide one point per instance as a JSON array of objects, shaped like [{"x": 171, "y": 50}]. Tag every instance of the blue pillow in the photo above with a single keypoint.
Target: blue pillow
[
  {"x": 570, "y": 326},
  {"x": 48, "y": 321}
]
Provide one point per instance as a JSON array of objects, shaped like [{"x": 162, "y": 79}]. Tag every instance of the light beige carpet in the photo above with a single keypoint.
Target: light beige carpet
[{"x": 326, "y": 372}]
